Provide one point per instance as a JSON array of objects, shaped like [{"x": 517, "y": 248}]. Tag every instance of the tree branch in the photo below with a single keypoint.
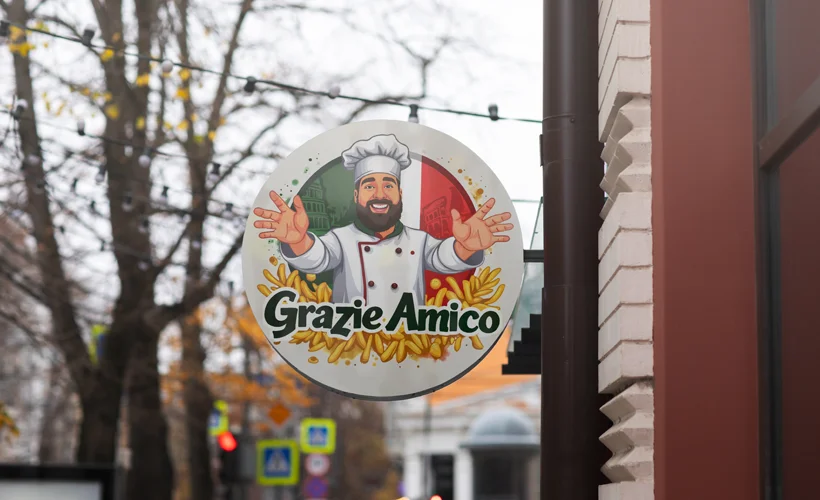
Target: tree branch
[
  {"x": 48, "y": 255},
  {"x": 249, "y": 150},
  {"x": 159, "y": 317},
  {"x": 222, "y": 87}
]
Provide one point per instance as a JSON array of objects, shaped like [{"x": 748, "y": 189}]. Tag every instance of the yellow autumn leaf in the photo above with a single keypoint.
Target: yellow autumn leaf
[
  {"x": 84, "y": 91},
  {"x": 112, "y": 111},
  {"x": 6, "y": 422},
  {"x": 212, "y": 135},
  {"x": 15, "y": 33},
  {"x": 107, "y": 96},
  {"x": 60, "y": 109},
  {"x": 183, "y": 125},
  {"x": 140, "y": 123},
  {"x": 41, "y": 26},
  {"x": 185, "y": 74},
  {"x": 222, "y": 121},
  {"x": 183, "y": 94},
  {"x": 107, "y": 55},
  {"x": 21, "y": 48},
  {"x": 167, "y": 125},
  {"x": 143, "y": 80},
  {"x": 199, "y": 139},
  {"x": 45, "y": 45},
  {"x": 117, "y": 37},
  {"x": 194, "y": 117}
]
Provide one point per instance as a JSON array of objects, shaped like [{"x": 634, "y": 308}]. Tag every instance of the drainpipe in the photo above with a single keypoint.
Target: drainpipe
[{"x": 572, "y": 170}]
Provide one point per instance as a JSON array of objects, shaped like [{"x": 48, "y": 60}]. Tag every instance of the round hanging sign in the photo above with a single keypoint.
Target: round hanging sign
[{"x": 383, "y": 259}]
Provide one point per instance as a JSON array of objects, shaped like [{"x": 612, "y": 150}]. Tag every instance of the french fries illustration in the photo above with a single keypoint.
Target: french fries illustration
[{"x": 481, "y": 291}]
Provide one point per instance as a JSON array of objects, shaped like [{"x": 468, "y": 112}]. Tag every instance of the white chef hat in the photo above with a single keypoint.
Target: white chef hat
[{"x": 382, "y": 154}]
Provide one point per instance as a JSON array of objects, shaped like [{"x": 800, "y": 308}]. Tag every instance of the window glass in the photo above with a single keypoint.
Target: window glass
[
  {"x": 798, "y": 268},
  {"x": 793, "y": 53}
]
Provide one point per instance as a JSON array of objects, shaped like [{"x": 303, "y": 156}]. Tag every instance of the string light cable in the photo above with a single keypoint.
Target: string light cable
[
  {"x": 215, "y": 173},
  {"x": 251, "y": 82}
]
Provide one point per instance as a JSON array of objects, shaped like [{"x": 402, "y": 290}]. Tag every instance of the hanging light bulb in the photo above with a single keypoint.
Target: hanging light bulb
[
  {"x": 250, "y": 85},
  {"x": 167, "y": 67},
  {"x": 88, "y": 34},
  {"x": 127, "y": 201},
  {"x": 100, "y": 177},
  {"x": 334, "y": 92},
  {"x": 145, "y": 159},
  {"x": 164, "y": 194},
  {"x": 145, "y": 224},
  {"x": 215, "y": 171},
  {"x": 33, "y": 161},
  {"x": 493, "y": 110},
  {"x": 81, "y": 126},
  {"x": 20, "y": 108},
  {"x": 414, "y": 113}
]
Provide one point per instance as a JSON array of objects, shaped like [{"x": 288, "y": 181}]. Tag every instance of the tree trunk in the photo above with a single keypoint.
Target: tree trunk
[
  {"x": 97, "y": 442},
  {"x": 198, "y": 403},
  {"x": 151, "y": 475},
  {"x": 54, "y": 416}
]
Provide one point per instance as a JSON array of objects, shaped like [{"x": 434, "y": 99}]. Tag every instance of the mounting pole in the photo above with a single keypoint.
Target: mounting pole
[{"x": 571, "y": 455}]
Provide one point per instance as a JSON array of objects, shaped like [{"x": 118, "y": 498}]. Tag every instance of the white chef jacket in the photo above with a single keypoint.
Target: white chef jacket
[{"x": 379, "y": 270}]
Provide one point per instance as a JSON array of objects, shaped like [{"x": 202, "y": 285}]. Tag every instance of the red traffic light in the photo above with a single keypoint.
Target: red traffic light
[{"x": 226, "y": 441}]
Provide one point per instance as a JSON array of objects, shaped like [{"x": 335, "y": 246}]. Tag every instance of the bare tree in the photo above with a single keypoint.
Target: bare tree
[{"x": 147, "y": 244}]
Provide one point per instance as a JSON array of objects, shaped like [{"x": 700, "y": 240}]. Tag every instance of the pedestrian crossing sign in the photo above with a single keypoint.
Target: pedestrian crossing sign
[
  {"x": 218, "y": 419},
  {"x": 318, "y": 435},
  {"x": 277, "y": 462}
]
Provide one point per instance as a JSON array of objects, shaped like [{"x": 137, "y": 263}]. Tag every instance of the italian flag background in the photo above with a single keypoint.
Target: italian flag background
[{"x": 429, "y": 193}]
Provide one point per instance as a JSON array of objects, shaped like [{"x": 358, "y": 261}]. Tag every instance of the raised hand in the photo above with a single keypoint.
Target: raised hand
[
  {"x": 289, "y": 226},
  {"x": 479, "y": 232}
]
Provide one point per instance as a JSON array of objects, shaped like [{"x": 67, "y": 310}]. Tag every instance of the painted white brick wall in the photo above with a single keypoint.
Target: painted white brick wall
[{"x": 625, "y": 289}]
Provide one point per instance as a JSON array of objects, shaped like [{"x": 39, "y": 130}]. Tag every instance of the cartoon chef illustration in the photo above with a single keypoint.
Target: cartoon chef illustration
[{"x": 377, "y": 257}]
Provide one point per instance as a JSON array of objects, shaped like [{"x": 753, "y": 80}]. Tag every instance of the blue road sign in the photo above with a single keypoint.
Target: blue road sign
[
  {"x": 316, "y": 487},
  {"x": 277, "y": 462},
  {"x": 216, "y": 415},
  {"x": 218, "y": 420},
  {"x": 318, "y": 435}
]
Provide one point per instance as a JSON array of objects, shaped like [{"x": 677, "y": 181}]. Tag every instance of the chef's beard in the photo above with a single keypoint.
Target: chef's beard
[{"x": 379, "y": 222}]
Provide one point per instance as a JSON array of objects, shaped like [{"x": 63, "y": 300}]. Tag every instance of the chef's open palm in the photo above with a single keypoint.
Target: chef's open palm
[
  {"x": 480, "y": 232},
  {"x": 288, "y": 225}
]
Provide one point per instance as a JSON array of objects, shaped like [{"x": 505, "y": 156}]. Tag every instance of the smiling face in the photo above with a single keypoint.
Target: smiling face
[{"x": 378, "y": 201}]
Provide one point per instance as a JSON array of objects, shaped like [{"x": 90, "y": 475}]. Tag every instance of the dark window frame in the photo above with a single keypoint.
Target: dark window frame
[{"x": 775, "y": 142}]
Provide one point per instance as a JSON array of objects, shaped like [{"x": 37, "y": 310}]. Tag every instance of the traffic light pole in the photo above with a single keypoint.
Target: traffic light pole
[{"x": 571, "y": 455}]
